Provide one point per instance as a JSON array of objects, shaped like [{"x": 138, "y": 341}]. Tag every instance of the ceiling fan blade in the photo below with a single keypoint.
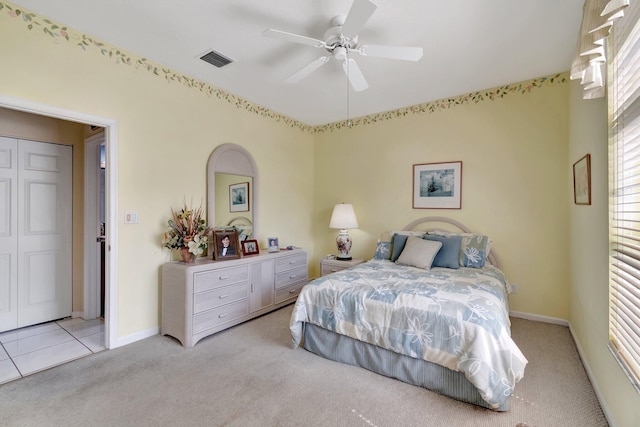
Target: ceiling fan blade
[
  {"x": 404, "y": 53},
  {"x": 295, "y": 38},
  {"x": 359, "y": 14},
  {"x": 307, "y": 69},
  {"x": 355, "y": 76}
]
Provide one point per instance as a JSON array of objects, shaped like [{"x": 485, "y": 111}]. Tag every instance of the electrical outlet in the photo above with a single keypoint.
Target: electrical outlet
[
  {"x": 130, "y": 217},
  {"x": 514, "y": 288}
]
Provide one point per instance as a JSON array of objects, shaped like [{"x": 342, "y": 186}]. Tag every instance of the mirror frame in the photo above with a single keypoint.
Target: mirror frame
[{"x": 234, "y": 160}]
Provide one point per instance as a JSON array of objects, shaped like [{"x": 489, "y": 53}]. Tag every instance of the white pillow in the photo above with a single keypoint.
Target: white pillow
[{"x": 419, "y": 252}]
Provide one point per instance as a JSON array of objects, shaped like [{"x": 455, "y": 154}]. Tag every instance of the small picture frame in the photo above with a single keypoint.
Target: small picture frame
[
  {"x": 273, "y": 244},
  {"x": 437, "y": 185},
  {"x": 239, "y": 197},
  {"x": 582, "y": 181},
  {"x": 225, "y": 244},
  {"x": 250, "y": 247}
]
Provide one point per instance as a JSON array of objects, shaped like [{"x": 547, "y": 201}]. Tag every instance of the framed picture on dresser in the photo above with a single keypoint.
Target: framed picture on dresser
[
  {"x": 273, "y": 244},
  {"x": 250, "y": 247},
  {"x": 225, "y": 244}
]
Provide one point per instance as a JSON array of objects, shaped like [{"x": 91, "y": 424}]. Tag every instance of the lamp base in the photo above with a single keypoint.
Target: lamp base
[{"x": 343, "y": 242}]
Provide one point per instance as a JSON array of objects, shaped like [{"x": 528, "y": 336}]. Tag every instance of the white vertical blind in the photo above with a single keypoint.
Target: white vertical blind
[
  {"x": 624, "y": 173},
  {"x": 598, "y": 18}
]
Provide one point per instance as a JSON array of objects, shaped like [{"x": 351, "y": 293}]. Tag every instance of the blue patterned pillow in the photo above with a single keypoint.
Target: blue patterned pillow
[
  {"x": 448, "y": 255},
  {"x": 383, "y": 251},
  {"x": 474, "y": 251},
  {"x": 474, "y": 248}
]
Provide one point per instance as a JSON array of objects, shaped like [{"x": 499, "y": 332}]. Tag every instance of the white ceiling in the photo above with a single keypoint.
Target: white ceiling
[{"x": 469, "y": 45}]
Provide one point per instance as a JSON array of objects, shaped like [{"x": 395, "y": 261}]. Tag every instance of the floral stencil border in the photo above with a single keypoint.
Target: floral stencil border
[
  {"x": 60, "y": 32},
  {"x": 448, "y": 103}
]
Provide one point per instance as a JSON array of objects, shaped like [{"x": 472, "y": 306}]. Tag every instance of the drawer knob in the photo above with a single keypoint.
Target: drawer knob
[
  {"x": 293, "y": 262},
  {"x": 293, "y": 277},
  {"x": 334, "y": 270},
  {"x": 224, "y": 277},
  {"x": 223, "y": 315},
  {"x": 292, "y": 291},
  {"x": 223, "y": 296}
]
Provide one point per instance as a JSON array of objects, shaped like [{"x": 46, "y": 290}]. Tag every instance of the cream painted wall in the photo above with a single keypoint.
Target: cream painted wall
[
  {"x": 589, "y": 248},
  {"x": 167, "y": 131},
  {"x": 45, "y": 129},
  {"x": 514, "y": 187}
]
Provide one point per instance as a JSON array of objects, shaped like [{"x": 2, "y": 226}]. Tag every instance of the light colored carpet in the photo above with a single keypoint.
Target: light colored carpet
[{"x": 250, "y": 376}]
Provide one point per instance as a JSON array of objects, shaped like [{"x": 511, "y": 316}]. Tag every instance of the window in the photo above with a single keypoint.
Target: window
[{"x": 624, "y": 200}]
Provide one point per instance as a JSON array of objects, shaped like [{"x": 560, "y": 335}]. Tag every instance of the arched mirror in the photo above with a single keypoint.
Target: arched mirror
[{"x": 232, "y": 185}]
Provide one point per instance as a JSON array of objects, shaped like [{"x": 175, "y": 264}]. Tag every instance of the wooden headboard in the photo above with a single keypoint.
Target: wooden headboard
[{"x": 429, "y": 223}]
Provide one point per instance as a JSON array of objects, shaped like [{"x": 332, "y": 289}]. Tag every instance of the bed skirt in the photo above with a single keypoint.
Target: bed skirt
[{"x": 394, "y": 365}]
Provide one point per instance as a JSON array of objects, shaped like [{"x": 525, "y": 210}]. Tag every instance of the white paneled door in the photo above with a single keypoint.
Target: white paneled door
[
  {"x": 8, "y": 234},
  {"x": 37, "y": 285}
]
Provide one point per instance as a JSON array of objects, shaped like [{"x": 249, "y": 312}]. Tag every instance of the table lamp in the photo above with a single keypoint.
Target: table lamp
[{"x": 343, "y": 217}]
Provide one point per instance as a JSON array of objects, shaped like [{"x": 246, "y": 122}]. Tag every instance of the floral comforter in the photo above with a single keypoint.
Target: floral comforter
[{"x": 455, "y": 318}]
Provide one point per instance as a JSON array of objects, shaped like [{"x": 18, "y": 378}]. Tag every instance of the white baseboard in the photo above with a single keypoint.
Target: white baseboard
[
  {"x": 594, "y": 384},
  {"x": 136, "y": 337},
  {"x": 538, "y": 318}
]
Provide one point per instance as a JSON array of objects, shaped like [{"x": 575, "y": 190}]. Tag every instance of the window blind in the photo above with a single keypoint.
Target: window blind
[
  {"x": 624, "y": 204},
  {"x": 598, "y": 17}
]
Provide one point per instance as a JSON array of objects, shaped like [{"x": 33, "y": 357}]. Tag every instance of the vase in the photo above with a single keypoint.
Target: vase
[{"x": 187, "y": 256}]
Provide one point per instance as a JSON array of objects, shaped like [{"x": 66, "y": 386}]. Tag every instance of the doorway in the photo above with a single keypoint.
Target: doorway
[
  {"x": 94, "y": 225},
  {"x": 111, "y": 191}
]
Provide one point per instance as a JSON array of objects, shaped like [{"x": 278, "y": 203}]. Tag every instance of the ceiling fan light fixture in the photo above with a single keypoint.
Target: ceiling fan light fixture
[{"x": 340, "y": 53}]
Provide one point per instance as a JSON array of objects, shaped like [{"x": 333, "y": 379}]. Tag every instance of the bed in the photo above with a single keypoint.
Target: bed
[{"x": 442, "y": 326}]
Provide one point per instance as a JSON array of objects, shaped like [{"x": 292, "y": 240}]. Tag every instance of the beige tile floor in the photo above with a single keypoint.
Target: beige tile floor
[{"x": 26, "y": 351}]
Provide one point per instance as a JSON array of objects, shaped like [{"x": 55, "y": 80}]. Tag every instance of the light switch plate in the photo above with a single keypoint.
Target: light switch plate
[{"x": 130, "y": 217}]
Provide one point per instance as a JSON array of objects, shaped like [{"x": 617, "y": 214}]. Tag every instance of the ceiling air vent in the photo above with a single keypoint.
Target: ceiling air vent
[{"x": 217, "y": 59}]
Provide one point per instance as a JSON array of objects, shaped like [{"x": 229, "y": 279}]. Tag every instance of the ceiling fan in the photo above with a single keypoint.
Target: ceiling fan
[{"x": 342, "y": 39}]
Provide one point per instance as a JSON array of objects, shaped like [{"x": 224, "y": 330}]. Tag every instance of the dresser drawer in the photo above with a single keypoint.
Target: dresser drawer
[
  {"x": 287, "y": 278},
  {"x": 289, "y": 262},
  {"x": 220, "y": 296},
  {"x": 212, "y": 318},
  {"x": 289, "y": 292},
  {"x": 204, "y": 281}
]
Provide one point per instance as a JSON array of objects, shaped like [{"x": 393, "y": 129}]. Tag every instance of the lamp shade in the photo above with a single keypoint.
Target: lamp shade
[{"x": 343, "y": 217}]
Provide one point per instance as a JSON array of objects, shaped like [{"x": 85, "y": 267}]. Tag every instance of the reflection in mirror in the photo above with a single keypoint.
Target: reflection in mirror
[
  {"x": 231, "y": 188},
  {"x": 232, "y": 165}
]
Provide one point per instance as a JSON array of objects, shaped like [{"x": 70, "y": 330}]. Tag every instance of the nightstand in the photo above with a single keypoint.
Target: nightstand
[{"x": 328, "y": 266}]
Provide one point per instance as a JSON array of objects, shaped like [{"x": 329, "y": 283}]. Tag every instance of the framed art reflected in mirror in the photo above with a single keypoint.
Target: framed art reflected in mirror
[{"x": 239, "y": 197}]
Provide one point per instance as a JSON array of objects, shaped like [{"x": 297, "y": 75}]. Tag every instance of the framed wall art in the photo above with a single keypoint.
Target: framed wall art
[
  {"x": 239, "y": 197},
  {"x": 437, "y": 185},
  {"x": 250, "y": 247},
  {"x": 225, "y": 244},
  {"x": 582, "y": 181}
]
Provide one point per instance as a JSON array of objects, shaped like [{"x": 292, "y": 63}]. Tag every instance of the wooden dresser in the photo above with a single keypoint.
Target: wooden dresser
[{"x": 206, "y": 297}]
